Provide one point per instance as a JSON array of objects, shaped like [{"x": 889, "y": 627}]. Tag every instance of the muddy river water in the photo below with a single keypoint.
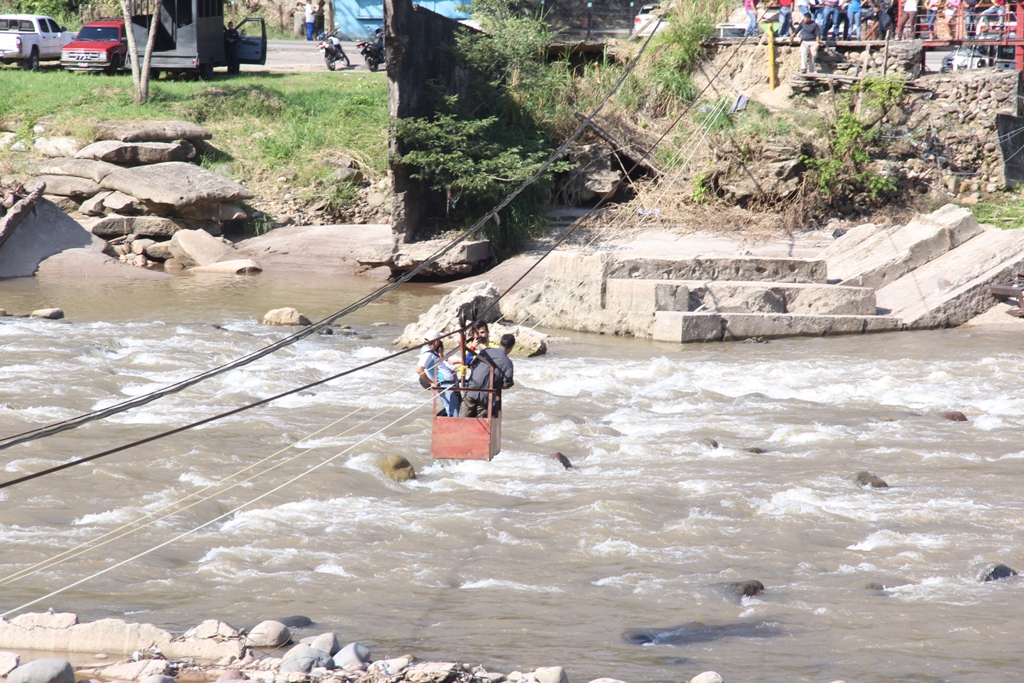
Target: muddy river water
[{"x": 519, "y": 563}]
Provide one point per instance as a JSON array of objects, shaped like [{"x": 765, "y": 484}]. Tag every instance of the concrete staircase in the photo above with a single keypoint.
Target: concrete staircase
[{"x": 932, "y": 272}]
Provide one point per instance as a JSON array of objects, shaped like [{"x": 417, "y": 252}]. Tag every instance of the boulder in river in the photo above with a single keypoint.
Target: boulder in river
[
  {"x": 398, "y": 468},
  {"x": 866, "y": 478},
  {"x": 150, "y": 131},
  {"x": 137, "y": 153},
  {"x": 1000, "y": 571},
  {"x": 296, "y": 621},
  {"x": 353, "y": 656},
  {"x": 47, "y": 670},
  {"x": 268, "y": 634},
  {"x": 954, "y": 415},
  {"x": 233, "y": 267},
  {"x": 48, "y": 313},
  {"x": 710, "y": 443},
  {"x": 748, "y": 589},
  {"x": 529, "y": 342},
  {"x": 476, "y": 301},
  {"x": 175, "y": 185},
  {"x": 564, "y": 461},
  {"x": 197, "y": 248},
  {"x": 284, "y": 316}
]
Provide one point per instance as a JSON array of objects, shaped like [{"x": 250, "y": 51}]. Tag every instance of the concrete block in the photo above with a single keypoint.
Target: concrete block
[
  {"x": 743, "y": 268},
  {"x": 952, "y": 289},
  {"x": 796, "y": 298},
  {"x": 740, "y": 326},
  {"x": 875, "y": 258},
  {"x": 646, "y": 296},
  {"x": 679, "y": 327}
]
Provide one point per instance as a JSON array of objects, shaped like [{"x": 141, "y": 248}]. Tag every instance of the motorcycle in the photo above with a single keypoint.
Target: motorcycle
[
  {"x": 372, "y": 52},
  {"x": 330, "y": 48}
]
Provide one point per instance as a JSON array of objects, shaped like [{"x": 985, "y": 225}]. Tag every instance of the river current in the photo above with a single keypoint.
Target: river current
[{"x": 519, "y": 563}]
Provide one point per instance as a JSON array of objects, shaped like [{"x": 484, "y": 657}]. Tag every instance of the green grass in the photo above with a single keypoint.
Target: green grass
[
  {"x": 1006, "y": 211},
  {"x": 264, "y": 125}
]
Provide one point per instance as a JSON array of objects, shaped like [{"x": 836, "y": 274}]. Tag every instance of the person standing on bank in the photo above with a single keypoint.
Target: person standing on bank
[
  {"x": 786, "y": 17},
  {"x": 310, "y": 19},
  {"x": 810, "y": 39},
  {"x": 231, "y": 41},
  {"x": 477, "y": 404}
]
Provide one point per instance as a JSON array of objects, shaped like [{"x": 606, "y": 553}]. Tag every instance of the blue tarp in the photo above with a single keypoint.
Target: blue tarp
[{"x": 358, "y": 19}]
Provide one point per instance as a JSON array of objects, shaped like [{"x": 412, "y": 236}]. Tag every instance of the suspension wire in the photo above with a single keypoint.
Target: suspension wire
[
  {"x": 72, "y": 423},
  {"x": 94, "y": 543},
  {"x": 215, "y": 519}
]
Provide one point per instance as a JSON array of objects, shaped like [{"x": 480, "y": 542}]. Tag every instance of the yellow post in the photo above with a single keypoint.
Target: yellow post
[{"x": 771, "y": 58}]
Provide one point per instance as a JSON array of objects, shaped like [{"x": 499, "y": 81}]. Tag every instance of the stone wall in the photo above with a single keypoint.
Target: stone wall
[{"x": 421, "y": 66}]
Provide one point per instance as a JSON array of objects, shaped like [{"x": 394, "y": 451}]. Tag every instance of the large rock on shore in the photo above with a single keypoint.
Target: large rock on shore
[
  {"x": 150, "y": 131},
  {"x": 268, "y": 634},
  {"x": 92, "y": 169},
  {"x": 137, "y": 153},
  {"x": 477, "y": 301},
  {"x": 197, "y": 248},
  {"x": 284, "y": 316},
  {"x": 65, "y": 185},
  {"x": 41, "y": 234},
  {"x": 353, "y": 656},
  {"x": 116, "y": 225},
  {"x": 328, "y": 642},
  {"x": 48, "y": 670},
  {"x": 175, "y": 185},
  {"x": 8, "y": 662}
]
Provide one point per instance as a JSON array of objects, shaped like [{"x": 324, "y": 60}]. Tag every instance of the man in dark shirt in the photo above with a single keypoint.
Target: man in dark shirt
[
  {"x": 231, "y": 41},
  {"x": 810, "y": 38},
  {"x": 476, "y": 403}
]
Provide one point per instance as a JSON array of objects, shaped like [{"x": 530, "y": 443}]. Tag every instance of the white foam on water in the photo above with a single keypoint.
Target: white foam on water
[
  {"x": 197, "y": 479},
  {"x": 334, "y": 569},
  {"x": 507, "y": 585},
  {"x": 886, "y": 538}
]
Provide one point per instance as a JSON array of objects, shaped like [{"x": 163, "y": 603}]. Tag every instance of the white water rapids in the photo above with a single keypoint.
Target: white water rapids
[{"x": 519, "y": 563}]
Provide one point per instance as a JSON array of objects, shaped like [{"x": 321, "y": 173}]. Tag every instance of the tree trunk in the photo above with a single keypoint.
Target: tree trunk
[{"x": 140, "y": 71}]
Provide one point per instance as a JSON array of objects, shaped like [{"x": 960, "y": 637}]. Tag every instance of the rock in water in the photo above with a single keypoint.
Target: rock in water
[
  {"x": 197, "y": 248},
  {"x": 49, "y": 670},
  {"x": 874, "y": 586},
  {"x": 562, "y": 459},
  {"x": 955, "y": 416},
  {"x": 748, "y": 588},
  {"x": 48, "y": 313},
  {"x": 707, "y": 677},
  {"x": 1000, "y": 571},
  {"x": 8, "y": 662},
  {"x": 710, "y": 443},
  {"x": 328, "y": 642},
  {"x": 157, "y": 678},
  {"x": 352, "y": 656},
  {"x": 478, "y": 300},
  {"x": 284, "y": 316},
  {"x": 268, "y": 634},
  {"x": 297, "y": 621},
  {"x": 398, "y": 468},
  {"x": 866, "y": 478},
  {"x": 235, "y": 267},
  {"x": 550, "y": 674},
  {"x": 755, "y": 450}
]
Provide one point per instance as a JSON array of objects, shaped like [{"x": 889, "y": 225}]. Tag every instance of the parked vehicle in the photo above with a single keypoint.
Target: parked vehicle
[
  {"x": 100, "y": 46},
  {"x": 373, "y": 51},
  {"x": 30, "y": 39},
  {"x": 330, "y": 48},
  {"x": 646, "y": 22},
  {"x": 978, "y": 57},
  {"x": 190, "y": 36}
]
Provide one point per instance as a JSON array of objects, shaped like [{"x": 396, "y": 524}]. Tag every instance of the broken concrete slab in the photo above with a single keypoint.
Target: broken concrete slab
[
  {"x": 678, "y": 327},
  {"x": 465, "y": 258},
  {"x": 877, "y": 256},
  {"x": 114, "y": 636},
  {"x": 952, "y": 289},
  {"x": 746, "y": 268},
  {"x": 646, "y": 296}
]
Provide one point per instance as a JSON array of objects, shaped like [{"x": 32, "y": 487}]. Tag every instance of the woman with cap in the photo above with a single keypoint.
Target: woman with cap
[{"x": 434, "y": 371}]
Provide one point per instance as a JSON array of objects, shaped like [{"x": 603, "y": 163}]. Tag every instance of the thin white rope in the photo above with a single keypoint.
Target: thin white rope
[
  {"x": 95, "y": 543},
  {"x": 215, "y": 519}
]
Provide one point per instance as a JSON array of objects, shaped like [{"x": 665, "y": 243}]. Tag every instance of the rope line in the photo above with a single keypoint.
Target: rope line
[
  {"x": 215, "y": 519},
  {"x": 72, "y": 423}
]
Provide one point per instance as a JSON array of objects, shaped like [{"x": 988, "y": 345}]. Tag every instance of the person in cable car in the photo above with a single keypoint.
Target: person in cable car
[
  {"x": 434, "y": 371},
  {"x": 477, "y": 404}
]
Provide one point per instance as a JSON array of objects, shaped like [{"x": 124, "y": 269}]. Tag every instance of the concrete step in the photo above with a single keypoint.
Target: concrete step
[
  {"x": 953, "y": 288},
  {"x": 648, "y": 296},
  {"x": 679, "y": 327},
  {"x": 733, "y": 268},
  {"x": 874, "y": 256}
]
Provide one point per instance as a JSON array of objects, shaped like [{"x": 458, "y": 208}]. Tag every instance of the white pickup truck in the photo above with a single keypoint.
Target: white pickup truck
[{"x": 31, "y": 38}]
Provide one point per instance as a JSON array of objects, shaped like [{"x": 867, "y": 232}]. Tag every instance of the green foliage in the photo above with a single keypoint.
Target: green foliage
[
  {"x": 851, "y": 138},
  {"x": 701, "y": 193},
  {"x": 1004, "y": 211}
]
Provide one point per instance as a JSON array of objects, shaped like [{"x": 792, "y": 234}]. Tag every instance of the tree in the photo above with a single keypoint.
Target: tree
[{"x": 140, "y": 73}]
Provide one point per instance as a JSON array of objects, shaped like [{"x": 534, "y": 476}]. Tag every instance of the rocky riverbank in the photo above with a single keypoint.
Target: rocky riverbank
[{"x": 268, "y": 653}]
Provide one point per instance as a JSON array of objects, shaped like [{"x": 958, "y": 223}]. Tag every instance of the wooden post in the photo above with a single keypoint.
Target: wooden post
[
  {"x": 280, "y": 14},
  {"x": 771, "y": 56}
]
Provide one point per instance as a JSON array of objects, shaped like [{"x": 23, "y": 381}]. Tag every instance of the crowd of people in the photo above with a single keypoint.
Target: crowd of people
[{"x": 882, "y": 19}]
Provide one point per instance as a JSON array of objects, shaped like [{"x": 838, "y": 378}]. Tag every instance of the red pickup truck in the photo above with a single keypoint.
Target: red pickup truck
[{"x": 100, "y": 46}]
